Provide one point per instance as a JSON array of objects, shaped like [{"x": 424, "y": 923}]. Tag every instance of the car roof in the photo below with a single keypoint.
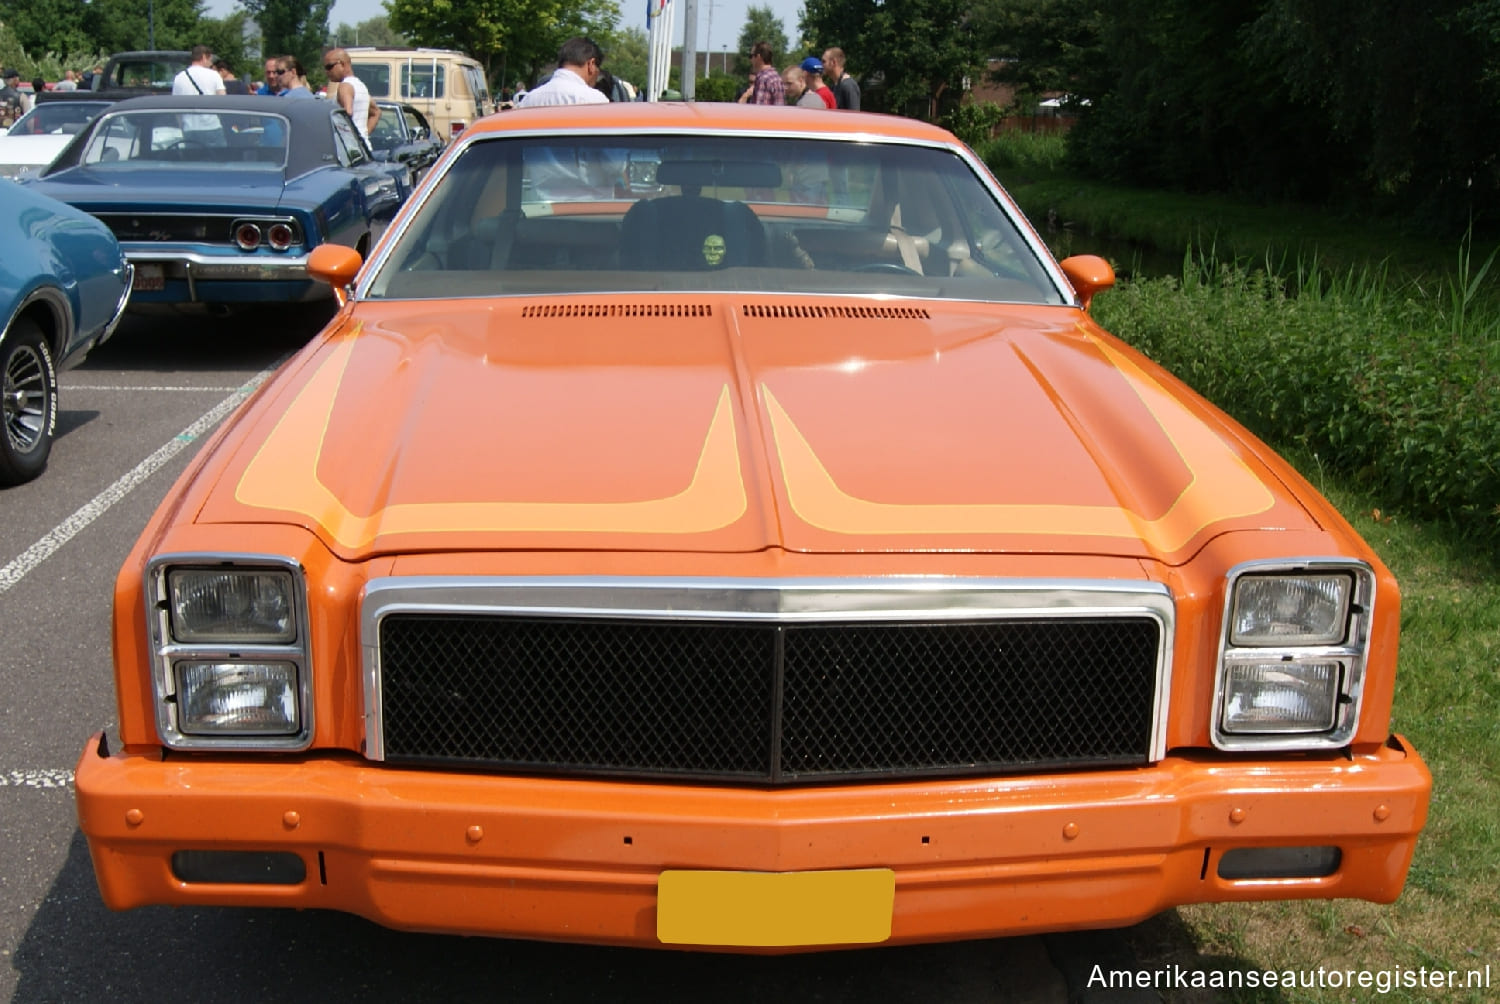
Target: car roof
[
  {"x": 311, "y": 143},
  {"x": 677, "y": 116}
]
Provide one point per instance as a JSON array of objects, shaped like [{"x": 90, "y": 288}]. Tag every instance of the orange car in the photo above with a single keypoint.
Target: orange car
[{"x": 725, "y": 527}]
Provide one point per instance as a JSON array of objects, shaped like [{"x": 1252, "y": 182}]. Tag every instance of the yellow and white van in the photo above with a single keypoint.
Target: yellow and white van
[{"x": 446, "y": 86}]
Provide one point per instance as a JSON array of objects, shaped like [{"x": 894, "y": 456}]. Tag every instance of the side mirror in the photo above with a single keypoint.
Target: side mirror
[
  {"x": 336, "y": 265},
  {"x": 1089, "y": 274}
]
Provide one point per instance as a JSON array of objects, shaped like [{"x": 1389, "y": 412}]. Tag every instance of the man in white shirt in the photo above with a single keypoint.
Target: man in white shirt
[
  {"x": 579, "y": 63},
  {"x": 200, "y": 77},
  {"x": 350, "y": 92}
]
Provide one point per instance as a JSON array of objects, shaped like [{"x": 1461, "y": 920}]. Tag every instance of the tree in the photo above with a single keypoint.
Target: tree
[
  {"x": 512, "y": 38},
  {"x": 626, "y": 54},
  {"x": 376, "y": 31},
  {"x": 911, "y": 56},
  {"x": 761, "y": 25},
  {"x": 295, "y": 27}
]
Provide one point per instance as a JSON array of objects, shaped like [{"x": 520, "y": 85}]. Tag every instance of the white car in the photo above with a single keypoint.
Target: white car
[{"x": 37, "y": 137}]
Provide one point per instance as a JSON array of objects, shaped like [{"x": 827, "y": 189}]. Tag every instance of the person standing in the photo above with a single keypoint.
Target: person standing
[
  {"x": 350, "y": 92},
  {"x": 845, "y": 87},
  {"x": 272, "y": 84},
  {"x": 797, "y": 93},
  {"x": 232, "y": 84},
  {"x": 199, "y": 77},
  {"x": 293, "y": 78},
  {"x": 69, "y": 82},
  {"x": 766, "y": 87},
  {"x": 12, "y": 101},
  {"x": 580, "y": 61},
  {"x": 812, "y": 71}
]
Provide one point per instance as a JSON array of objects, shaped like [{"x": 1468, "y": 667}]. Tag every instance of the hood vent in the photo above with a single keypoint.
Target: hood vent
[
  {"x": 781, "y": 312},
  {"x": 606, "y": 310}
]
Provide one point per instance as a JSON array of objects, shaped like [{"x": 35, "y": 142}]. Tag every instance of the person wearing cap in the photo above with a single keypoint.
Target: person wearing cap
[
  {"x": 812, "y": 72},
  {"x": 797, "y": 93},
  {"x": 12, "y": 101}
]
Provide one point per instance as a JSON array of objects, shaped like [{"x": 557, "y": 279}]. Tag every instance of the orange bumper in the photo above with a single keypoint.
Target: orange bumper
[{"x": 581, "y": 860}]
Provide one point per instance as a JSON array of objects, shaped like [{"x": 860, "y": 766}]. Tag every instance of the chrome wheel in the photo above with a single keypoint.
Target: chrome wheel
[
  {"x": 25, "y": 398},
  {"x": 28, "y": 403}
]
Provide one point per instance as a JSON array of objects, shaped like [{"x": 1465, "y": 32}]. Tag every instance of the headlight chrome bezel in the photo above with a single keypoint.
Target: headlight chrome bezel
[
  {"x": 1349, "y": 652},
  {"x": 169, "y": 651}
]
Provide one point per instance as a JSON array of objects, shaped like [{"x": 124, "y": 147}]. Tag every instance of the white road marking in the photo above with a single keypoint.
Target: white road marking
[
  {"x": 65, "y": 531},
  {"x": 187, "y": 388},
  {"x": 44, "y": 778}
]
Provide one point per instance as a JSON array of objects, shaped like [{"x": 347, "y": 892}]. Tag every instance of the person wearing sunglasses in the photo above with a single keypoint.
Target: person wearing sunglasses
[
  {"x": 272, "y": 84},
  {"x": 350, "y": 92},
  {"x": 293, "y": 78}
]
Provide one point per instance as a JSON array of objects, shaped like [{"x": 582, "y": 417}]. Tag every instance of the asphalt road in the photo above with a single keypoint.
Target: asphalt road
[{"x": 132, "y": 417}]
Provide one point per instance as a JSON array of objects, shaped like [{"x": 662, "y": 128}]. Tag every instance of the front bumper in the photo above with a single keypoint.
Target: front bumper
[{"x": 581, "y": 860}]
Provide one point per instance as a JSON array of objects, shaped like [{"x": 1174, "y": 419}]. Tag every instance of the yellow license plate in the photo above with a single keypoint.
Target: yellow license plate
[{"x": 775, "y": 909}]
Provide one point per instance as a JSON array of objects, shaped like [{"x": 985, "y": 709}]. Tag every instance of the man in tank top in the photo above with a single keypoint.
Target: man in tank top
[{"x": 350, "y": 92}]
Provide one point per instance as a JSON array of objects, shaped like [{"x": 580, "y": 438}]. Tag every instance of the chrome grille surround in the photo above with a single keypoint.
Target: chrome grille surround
[{"x": 857, "y": 609}]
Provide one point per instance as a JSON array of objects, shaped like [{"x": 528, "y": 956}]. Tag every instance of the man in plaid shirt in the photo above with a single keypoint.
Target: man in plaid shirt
[{"x": 766, "y": 87}]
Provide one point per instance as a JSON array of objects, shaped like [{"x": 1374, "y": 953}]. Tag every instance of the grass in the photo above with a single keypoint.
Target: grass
[{"x": 1371, "y": 358}]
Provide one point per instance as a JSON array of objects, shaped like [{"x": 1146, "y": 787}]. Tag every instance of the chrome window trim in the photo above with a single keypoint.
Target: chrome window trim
[
  {"x": 165, "y": 651},
  {"x": 1033, "y": 241},
  {"x": 1352, "y": 654},
  {"x": 776, "y": 600}
]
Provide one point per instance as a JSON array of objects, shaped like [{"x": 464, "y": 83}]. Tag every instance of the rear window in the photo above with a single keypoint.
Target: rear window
[
  {"x": 423, "y": 79},
  {"x": 375, "y": 76}
]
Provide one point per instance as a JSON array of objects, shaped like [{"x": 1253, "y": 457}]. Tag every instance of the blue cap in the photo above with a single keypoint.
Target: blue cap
[{"x": 812, "y": 64}]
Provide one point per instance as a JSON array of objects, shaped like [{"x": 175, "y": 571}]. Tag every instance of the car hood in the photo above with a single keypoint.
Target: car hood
[{"x": 738, "y": 423}]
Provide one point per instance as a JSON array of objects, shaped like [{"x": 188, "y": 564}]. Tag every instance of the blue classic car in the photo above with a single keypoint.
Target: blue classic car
[
  {"x": 219, "y": 199},
  {"x": 404, "y": 137},
  {"x": 63, "y": 286}
]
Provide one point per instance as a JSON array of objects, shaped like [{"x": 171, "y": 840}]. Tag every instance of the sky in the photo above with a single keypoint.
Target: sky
[{"x": 724, "y": 18}]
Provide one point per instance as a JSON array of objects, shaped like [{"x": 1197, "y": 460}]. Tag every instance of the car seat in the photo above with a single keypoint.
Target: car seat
[{"x": 691, "y": 233}]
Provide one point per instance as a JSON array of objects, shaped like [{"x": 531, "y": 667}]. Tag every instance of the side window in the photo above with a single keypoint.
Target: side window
[
  {"x": 351, "y": 148},
  {"x": 115, "y": 140},
  {"x": 376, "y": 77},
  {"x": 478, "y": 88},
  {"x": 423, "y": 80},
  {"x": 416, "y": 125}
]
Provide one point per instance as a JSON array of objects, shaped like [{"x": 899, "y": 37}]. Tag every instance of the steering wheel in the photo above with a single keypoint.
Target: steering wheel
[{"x": 888, "y": 267}]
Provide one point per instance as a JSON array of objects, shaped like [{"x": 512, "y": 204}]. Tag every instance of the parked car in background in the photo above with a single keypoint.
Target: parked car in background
[
  {"x": 63, "y": 285},
  {"x": 129, "y": 75},
  {"x": 726, "y": 527},
  {"x": 403, "y": 136},
  {"x": 219, "y": 199},
  {"x": 447, "y": 87},
  {"x": 37, "y": 137}
]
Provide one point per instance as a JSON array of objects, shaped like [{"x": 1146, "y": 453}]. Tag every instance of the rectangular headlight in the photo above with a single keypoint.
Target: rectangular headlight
[
  {"x": 1290, "y": 610},
  {"x": 1280, "y": 697},
  {"x": 232, "y": 606},
  {"x": 237, "y": 698}
]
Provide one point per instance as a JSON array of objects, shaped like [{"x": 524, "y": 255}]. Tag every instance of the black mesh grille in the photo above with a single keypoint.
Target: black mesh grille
[{"x": 766, "y": 703}]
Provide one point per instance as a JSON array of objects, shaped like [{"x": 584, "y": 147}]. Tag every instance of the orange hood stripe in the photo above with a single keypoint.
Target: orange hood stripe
[
  {"x": 1221, "y": 487},
  {"x": 284, "y": 475}
]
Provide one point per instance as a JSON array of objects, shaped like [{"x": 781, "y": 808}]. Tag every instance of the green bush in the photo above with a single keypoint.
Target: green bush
[
  {"x": 1396, "y": 388},
  {"x": 974, "y": 121},
  {"x": 1022, "y": 156}
]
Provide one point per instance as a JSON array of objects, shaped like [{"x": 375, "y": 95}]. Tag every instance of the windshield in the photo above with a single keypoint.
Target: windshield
[
  {"x": 576, "y": 214},
  {"x": 58, "y": 118},
  {"x": 175, "y": 137}
]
